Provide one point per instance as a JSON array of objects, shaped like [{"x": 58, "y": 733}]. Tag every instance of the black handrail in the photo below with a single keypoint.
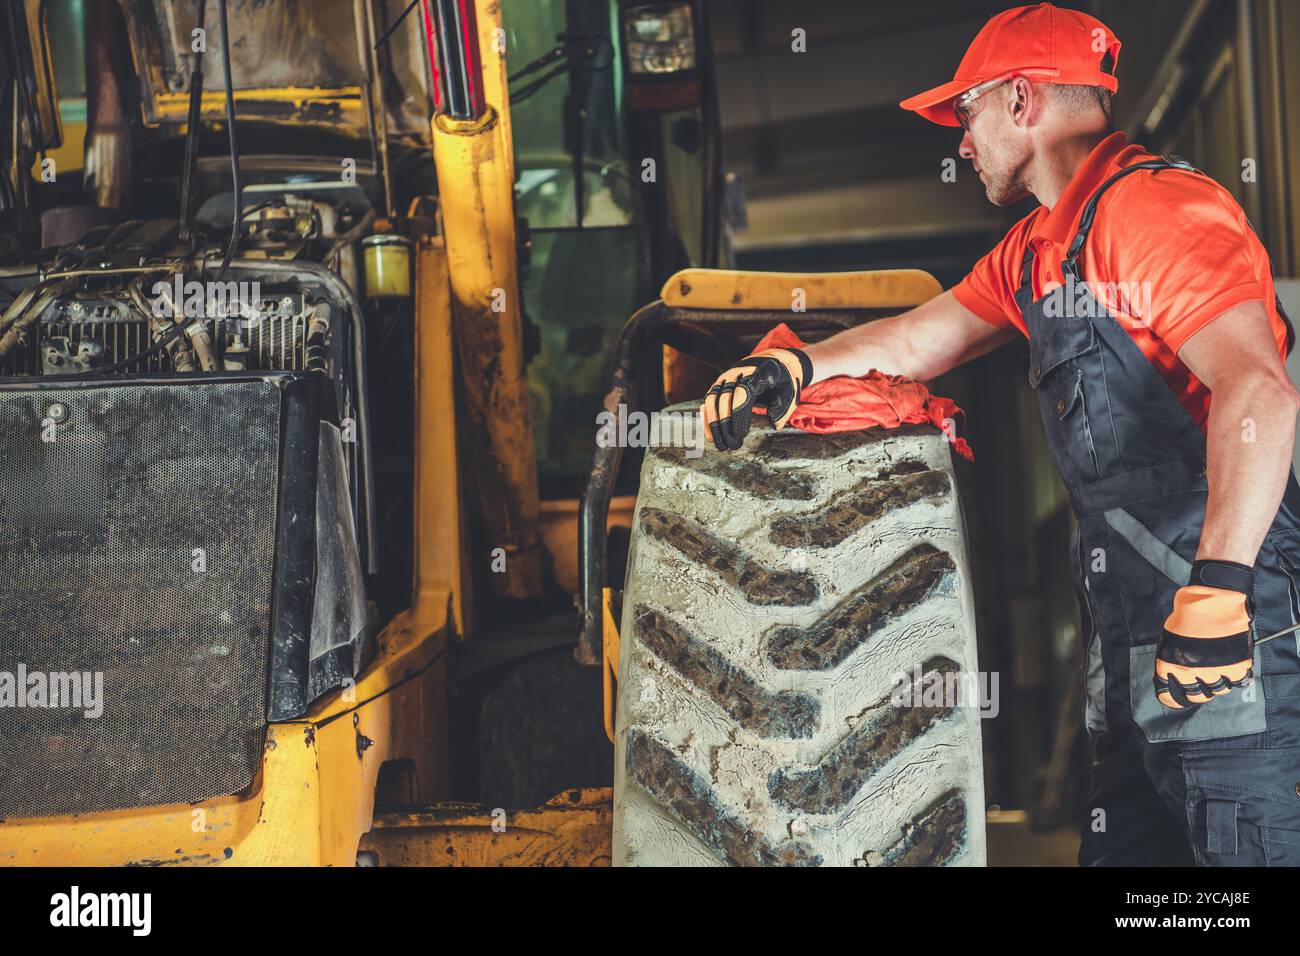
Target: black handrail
[{"x": 643, "y": 329}]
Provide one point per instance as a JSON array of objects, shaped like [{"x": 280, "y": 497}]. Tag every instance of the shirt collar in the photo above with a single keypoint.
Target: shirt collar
[{"x": 1056, "y": 224}]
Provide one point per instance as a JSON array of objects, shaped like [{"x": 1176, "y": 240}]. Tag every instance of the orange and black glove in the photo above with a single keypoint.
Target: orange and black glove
[
  {"x": 773, "y": 378},
  {"x": 1207, "y": 647}
]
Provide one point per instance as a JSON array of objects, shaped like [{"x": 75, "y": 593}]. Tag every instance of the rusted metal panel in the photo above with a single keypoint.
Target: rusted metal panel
[
  {"x": 571, "y": 829},
  {"x": 293, "y": 62}
]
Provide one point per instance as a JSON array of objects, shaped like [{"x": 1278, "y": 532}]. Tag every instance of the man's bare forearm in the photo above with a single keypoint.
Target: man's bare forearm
[
  {"x": 1250, "y": 435},
  {"x": 881, "y": 345},
  {"x": 1250, "y": 431},
  {"x": 921, "y": 343}
]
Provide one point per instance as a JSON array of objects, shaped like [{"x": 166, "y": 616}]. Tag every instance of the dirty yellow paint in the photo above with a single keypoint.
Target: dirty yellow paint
[
  {"x": 69, "y": 156},
  {"x": 560, "y": 534},
  {"x": 314, "y": 794},
  {"x": 777, "y": 291},
  {"x": 441, "y": 561},
  {"x": 475, "y": 165},
  {"x": 176, "y": 106},
  {"x": 612, "y": 652},
  {"x": 313, "y": 797}
]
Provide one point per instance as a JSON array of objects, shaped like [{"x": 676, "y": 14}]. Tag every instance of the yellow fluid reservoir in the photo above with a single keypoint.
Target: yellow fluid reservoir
[{"x": 388, "y": 266}]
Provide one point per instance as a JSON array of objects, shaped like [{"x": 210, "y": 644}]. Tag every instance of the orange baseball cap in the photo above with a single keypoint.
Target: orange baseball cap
[{"x": 1041, "y": 42}]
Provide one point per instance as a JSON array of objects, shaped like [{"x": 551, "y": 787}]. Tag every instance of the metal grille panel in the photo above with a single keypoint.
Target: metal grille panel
[
  {"x": 136, "y": 541},
  {"x": 277, "y": 342}
]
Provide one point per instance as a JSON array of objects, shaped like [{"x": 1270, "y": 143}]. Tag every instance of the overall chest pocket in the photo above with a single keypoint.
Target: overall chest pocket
[
  {"x": 1053, "y": 342},
  {"x": 1062, "y": 355}
]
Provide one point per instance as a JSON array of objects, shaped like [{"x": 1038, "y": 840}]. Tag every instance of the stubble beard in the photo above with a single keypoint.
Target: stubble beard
[
  {"x": 1006, "y": 190},
  {"x": 1005, "y": 182}
]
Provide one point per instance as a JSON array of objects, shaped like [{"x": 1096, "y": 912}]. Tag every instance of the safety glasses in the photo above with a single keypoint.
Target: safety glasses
[{"x": 961, "y": 105}]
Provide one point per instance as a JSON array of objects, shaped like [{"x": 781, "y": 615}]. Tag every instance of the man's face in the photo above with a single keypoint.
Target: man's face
[{"x": 996, "y": 147}]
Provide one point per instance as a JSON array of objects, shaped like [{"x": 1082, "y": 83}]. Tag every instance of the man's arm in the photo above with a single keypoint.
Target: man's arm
[
  {"x": 1250, "y": 432},
  {"x": 921, "y": 343},
  {"x": 1205, "y": 648}
]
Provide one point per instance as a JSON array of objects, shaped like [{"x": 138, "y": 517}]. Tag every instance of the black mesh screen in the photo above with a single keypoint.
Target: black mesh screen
[{"x": 137, "y": 530}]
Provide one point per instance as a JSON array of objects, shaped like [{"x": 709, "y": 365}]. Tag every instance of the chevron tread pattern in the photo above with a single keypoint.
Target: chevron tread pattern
[{"x": 778, "y": 600}]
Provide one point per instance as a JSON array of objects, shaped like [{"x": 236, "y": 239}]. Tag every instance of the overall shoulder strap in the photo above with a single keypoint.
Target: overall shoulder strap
[
  {"x": 1286, "y": 320},
  {"x": 1026, "y": 268},
  {"x": 1071, "y": 264}
]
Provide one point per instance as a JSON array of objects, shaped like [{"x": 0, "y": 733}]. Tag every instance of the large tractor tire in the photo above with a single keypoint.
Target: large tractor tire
[{"x": 781, "y": 601}]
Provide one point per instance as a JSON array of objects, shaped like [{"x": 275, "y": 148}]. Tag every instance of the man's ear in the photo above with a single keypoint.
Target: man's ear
[{"x": 1021, "y": 97}]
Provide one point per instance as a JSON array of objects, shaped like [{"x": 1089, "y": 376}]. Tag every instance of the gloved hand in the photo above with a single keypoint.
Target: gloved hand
[
  {"x": 773, "y": 378},
  {"x": 1207, "y": 647}
]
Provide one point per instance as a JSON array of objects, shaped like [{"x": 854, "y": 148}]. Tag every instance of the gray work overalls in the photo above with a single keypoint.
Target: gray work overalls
[{"x": 1224, "y": 776}]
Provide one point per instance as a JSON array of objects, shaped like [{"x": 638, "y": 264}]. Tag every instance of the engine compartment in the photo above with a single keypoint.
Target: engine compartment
[
  {"x": 138, "y": 299},
  {"x": 104, "y": 302}
]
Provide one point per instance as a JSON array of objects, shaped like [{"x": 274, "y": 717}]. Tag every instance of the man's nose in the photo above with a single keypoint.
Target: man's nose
[{"x": 966, "y": 149}]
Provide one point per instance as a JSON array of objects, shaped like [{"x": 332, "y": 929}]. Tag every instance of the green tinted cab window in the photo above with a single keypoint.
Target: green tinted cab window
[{"x": 582, "y": 282}]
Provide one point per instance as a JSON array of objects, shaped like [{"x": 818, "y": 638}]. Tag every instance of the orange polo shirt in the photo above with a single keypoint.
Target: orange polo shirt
[{"x": 1169, "y": 251}]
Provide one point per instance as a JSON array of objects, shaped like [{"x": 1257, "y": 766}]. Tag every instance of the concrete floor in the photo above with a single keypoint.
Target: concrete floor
[{"x": 1013, "y": 843}]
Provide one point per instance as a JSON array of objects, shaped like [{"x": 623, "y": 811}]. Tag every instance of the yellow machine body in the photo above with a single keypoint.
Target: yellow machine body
[
  {"x": 315, "y": 793},
  {"x": 313, "y": 800},
  {"x": 314, "y": 797}
]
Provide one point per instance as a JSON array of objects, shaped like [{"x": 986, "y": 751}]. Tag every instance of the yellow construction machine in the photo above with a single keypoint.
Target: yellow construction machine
[{"x": 309, "y": 312}]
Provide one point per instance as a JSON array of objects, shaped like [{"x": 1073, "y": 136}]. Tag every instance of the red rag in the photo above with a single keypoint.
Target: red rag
[{"x": 846, "y": 404}]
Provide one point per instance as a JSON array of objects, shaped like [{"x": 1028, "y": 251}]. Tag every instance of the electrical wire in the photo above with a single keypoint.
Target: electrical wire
[
  {"x": 397, "y": 23},
  {"x": 237, "y": 208},
  {"x": 192, "y": 133},
  {"x": 172, "y": 335}
]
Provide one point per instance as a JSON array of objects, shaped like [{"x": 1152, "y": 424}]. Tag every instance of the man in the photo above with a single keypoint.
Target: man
[{"x": 1156, "y": 352}]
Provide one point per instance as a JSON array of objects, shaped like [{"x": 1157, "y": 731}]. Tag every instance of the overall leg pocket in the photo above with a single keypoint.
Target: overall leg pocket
[
  {"x": 1277, "y": 595},
  {"x": 1233, "y": 715},
  {"x": 1243, "y": 806},
  {"x": 1094, "y": 668},
  {"x": 1281, "y": 847}
]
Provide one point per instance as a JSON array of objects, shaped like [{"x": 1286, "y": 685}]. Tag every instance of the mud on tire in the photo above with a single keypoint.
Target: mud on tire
[{"x": 777, "y": 598}]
